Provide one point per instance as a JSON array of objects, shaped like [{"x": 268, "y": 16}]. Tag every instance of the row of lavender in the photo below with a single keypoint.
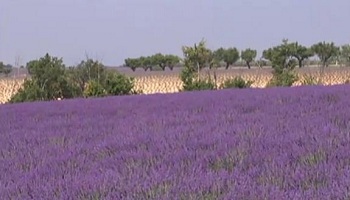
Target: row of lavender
[{"x": 278, "y": 143}]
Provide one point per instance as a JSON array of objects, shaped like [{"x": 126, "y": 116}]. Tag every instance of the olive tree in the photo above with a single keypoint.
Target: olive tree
[{"x": 248, "y": 55}]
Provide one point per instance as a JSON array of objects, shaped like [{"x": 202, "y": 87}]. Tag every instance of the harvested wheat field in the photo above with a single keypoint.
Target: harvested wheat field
[{"x": 169, "y": 81}]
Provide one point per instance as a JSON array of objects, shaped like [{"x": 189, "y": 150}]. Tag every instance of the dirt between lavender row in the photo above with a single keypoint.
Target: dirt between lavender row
[{"x": 169, "y": 82}]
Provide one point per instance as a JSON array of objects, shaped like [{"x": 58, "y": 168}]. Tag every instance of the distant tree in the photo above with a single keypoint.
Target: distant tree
[
  {"x": 325, "y": 51},
  {"x": 300, "y": 52},
  {"x": 172, "y": 61},
  {"x": 159, "y": 60},
  {"x": 219, "y": 54},
  {"x": 146, "y": 62},
  {"x": 229, "y": 56},
  {"x": 248, "y": 56},
  {"x": 2, "y": 67},
  {"x": 5, "y": 69},
  {"x": 345, "y": 54},
  {"x": 132, "y": 63}
]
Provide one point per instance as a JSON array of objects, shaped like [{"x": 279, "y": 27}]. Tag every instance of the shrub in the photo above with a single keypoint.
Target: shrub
[
  {"x": 310, "y": 80},
  {"x": 118, "y": 84},
  {"x": 94, "y": 89},
  {"x": 29, "y": 92},
  {"x": 283, "y": 79},
  {"x": 201, "y": 85},
  {"x": 48, "y": 81},
  {"x": 237, "y": 82}
]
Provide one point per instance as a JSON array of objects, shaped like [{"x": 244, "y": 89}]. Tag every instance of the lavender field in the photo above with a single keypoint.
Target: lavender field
[{"x": 277, "y": 143}]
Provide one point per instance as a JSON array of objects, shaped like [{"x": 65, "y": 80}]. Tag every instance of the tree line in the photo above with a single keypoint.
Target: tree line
[{"x": 326, "y": 52}]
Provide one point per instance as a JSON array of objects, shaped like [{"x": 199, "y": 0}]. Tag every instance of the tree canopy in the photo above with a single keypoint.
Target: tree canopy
[
  {"x": 149, "y": 62},
  {"x": 248, "y": 55},
  {"x": 229, "y": 55},
  {"x": 325, "y": 51}
]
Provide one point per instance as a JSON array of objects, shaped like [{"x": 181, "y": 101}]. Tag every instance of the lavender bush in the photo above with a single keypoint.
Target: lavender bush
[{"x": 277, "y": 143}]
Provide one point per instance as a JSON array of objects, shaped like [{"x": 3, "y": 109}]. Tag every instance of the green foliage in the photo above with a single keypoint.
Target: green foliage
[
  {"x": 309, "y": 80},
  {"x": 86, "y": 71},
  {"x": 237, "y": 82},
  {"x": 164, "y": 61},
  {"x": 229, "y": 56},
  {"x": 118, "y": 84},
  {"x": 146, "y": 62},
  {"x": 29, "y": 92},
  {"x": 300, "y": 52},
  {"x": 132, "y": 63},
  {"x": 149, "y": 62},
  {"x": 345, "y": 54},
  {"x": 5, "y": 69},
  {"x": 48, "y": 81},
  {"x": 196, "y": 58},
  {"x": 285, "y": 78},
  {"x": 94, "y": 89},
  {"x": 248, "y": 56},
  {"x": 200, "y": 85},
  {"x": 2, "y": 66},
  {"x": 283, "y": 64},
  {"x": 172, "y": 60},
  {"x": 325, "y": 51}
]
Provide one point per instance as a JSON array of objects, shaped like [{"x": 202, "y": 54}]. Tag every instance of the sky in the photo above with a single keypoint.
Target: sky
[{"x": 112, "y": 30}]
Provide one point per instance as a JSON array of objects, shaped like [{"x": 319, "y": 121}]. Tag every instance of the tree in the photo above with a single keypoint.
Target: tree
[
  {"x": 86, "y": 71},
  {"x": 132, "y": 63},
  {"x": 345, "y": 54},
  {"x": 195, "y": 59},
  {"x": 160, "y": 60},
  {"x": 48, "y": 81},
  {"x": 248, "y": 56},
  {"x": 172, "y": 61},
  {"x": 2, "y": 67},
  {"x": 7, "y": 69},
  {"x": 300, "y": 52},
  {"x": 229, "y": 56},
  {"x": 283, "y": 64},
  {"x": 145, "y": 62},
  {"x": 325, "y": 51}
]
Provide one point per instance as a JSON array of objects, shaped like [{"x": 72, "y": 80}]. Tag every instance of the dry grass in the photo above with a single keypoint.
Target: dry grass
[{"x": 169, "y": 82}]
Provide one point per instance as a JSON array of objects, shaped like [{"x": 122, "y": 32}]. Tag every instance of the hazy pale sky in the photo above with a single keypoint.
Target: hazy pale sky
[{"x": 112, "y": 30}]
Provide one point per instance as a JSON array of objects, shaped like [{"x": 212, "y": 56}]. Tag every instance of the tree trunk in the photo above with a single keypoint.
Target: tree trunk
[
  {"x": 162, "y": 66},
  {"x": 248, "y": 64},
  {"x": 227, "y": 65},
  {"x": 300, "y": 63}
]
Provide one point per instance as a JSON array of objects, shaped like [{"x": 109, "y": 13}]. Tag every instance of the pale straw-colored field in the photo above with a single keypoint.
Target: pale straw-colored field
[{"x": 169, "y": 81}]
